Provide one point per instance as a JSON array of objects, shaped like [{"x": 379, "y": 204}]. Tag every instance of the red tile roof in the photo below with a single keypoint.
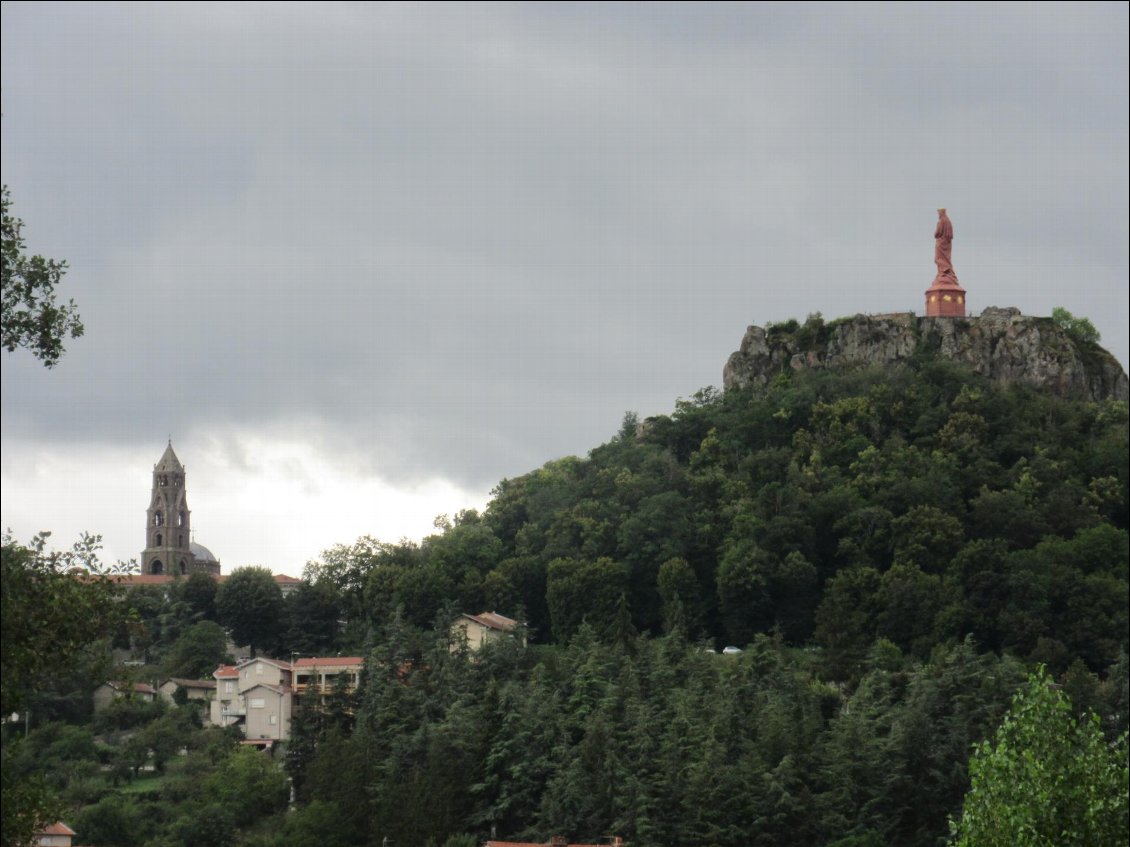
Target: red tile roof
[
  {"x": 278, "y": 663},
  {"x": 226, "y": 672},
  {"x": 137, "y": 687},
  {"x": 57, "y": 828},
  {"x": 493, "y": 620},
  {"x": 329, "y": 662},
  {"x": 133, "y": 579}
]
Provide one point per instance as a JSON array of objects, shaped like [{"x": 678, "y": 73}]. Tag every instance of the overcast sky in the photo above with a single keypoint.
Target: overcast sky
[{"x": 361, "y": 262}]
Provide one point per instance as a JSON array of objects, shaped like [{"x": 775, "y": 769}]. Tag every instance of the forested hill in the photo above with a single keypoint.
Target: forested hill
[
  {"x": 915, "y": 502},
  {"x": 894, "y": 548}
]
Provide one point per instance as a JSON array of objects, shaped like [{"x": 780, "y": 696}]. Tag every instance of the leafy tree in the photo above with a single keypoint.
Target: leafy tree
[
  {"x": 202, "y": 648},
  {"x": 318, "y": 824},
  {"x": 247, "y": 784},
  {"x": 31, "y": 319},
  {"x": 1046, "y": 779},
  {"x": 796, "y": 589},
  {"x": 51, "y": 606},
  {"x": 421, "y": 592},
  {"x": 1080, "y": 329},
  {"x": 250, "y": 605},
  {"x": 679, "y": 591},
  {"x": 579, "y": 591},
  {"x": 113, "y": 821},
  {"x": 516, "y": 588},
  {"x": 198, "y": 591},
  {"x": 311, "y": 613},
  {"x": 744, "y": 598}
]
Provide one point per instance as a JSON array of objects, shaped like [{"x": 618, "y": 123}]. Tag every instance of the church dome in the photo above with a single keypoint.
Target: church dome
[{"x": 201, "y": 553}]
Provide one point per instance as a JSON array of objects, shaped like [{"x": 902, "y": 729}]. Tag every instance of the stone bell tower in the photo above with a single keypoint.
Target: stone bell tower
[{"x": 168, "y": 530}]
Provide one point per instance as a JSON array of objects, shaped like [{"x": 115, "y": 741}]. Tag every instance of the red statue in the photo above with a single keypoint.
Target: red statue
[
  {"x": 943, "y": 250},
  {"x": 945, "y": 298}
]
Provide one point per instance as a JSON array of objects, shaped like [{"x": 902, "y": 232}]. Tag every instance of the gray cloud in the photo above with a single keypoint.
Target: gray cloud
[{"x": 462, "y": 240}]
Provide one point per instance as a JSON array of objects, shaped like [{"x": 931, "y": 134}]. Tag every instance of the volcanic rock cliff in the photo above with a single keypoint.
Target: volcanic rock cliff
[{"x": 1001, "y": 344}]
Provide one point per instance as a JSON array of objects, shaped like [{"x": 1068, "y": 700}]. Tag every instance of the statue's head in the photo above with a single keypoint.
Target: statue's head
[{"x": 941, "y": 212}]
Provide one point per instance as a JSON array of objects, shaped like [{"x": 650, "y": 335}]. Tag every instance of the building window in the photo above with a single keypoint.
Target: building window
[
  {"x": 159, "y": 539},
  {"x": 180, "y": 519},
  {"x": 256, "y": 703},
  {"x": 183, "y": 567},
  {"x": 274, "y": 719},
  {"x": 158, "y": 519},
  {"x": 229, "y": 687},
  {"x": 162, "y": 480},
  {"x": 156, "y": 567}
]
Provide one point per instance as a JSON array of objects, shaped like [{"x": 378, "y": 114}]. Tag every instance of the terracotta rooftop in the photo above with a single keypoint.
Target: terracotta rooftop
[
  {"x": 131, "y": 579},
  {"x": 138, "y": 687},
  {"x": 226, "y": 672},
  {"x": 278, "y": 663},
  {"x": 329, "y": 662},
  {"x": 135, "y": 579},
  {"x": 193, "y": 683},
  {"x": 493, "y": 620},
  {"x": 57, "y": 828}
]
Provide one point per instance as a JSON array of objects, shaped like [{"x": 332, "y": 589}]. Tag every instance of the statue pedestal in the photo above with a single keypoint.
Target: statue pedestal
[{"x": 945, "y": 300}]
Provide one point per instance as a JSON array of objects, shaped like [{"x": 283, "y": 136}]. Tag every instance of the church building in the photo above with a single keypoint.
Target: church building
[{"x": 169, "y": 548}]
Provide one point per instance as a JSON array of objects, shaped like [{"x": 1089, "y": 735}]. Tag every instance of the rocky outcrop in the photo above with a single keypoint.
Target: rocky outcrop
[{"x": 1001, "y": 344}]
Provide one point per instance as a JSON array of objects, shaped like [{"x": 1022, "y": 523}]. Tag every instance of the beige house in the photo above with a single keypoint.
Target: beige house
[
  {"x": 252, "y": 694},
  {"x": 267, "y": 711},
  {"x": 287, "y": 584},
  {"x": 56, "y": 835},
  {"x": 108, "y": 692},
  {"x": 260, "y": 695},
  {"x": 227, "y": 706},
  {"x": 323, "y": 674},
  {"x": 198, "y": 690},
  {"x": 483, "y": 627},
  {"x": 263, "y": 671}
]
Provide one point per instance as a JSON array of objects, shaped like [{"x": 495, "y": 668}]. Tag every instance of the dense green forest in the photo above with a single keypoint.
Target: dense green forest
[{"x": 897, "y": 552}]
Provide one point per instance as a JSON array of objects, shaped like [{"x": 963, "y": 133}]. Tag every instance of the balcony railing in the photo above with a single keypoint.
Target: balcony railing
[{"x": 323, "y": 690}]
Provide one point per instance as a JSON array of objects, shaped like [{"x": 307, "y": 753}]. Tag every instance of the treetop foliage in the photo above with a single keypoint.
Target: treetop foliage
[
  {"x": 1080, "y": 329},
  {"x": 1046, "y": 778},
  {"x": 31, "y": 318}
]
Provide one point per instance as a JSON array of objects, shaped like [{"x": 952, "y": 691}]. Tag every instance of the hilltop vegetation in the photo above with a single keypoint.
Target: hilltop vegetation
[
  {"x": 895, "y": 550},
  {"x": 919, "y": 505}
]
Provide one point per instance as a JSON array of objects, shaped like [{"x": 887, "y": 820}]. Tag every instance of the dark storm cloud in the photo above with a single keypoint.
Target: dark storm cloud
[{"x": 463, "y": 240}]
